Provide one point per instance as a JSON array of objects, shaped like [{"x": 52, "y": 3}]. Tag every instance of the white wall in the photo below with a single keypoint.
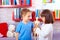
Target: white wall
[
  {"x": 6, "y": 15},
  {"x": 37, "y": 4}
]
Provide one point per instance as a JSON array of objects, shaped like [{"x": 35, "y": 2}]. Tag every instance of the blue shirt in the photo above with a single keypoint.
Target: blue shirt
[{"x": 24, "y": 30}]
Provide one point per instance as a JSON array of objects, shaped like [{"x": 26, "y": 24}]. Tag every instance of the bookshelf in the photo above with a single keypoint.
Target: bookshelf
[
  {"x": 56, "y": 14},
  {"x": 15, "y": 3},
  {"x": 49, "y": 4}
]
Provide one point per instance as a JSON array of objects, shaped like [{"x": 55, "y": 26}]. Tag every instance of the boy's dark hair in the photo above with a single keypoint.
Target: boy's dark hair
[
  {"x": 24, "y": 11},
  {"x": 48, "y": 16}
]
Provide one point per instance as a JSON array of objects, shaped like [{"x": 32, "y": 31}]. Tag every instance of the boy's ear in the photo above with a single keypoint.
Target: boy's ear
[{"x": 23, "y": 16}]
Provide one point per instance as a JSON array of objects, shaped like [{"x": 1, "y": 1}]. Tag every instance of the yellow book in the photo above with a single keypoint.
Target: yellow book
[
  {"x": 59, "y": 14},
  {"x": 44, "y": 1},
  {"x": 3, "y": 2}
]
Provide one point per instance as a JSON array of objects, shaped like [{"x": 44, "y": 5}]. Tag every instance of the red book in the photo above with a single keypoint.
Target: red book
[
  {"x": 0, "y": 2},
  {"x": 20, "y": 2},
  {"x": 12, "y": 2},
  {"x": 30, "y": 2},
  {"x": 54, "y": 14},
  {"x": 50, "y": 1},
  {"x": 24, "y": 2}
]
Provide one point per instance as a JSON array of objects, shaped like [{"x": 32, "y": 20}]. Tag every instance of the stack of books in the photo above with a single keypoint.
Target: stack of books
[
  {"x": 47, "y": 1},
  {"x": 6, "y": 2},
  {"x": 57, "y": 14},
  {"x": 17, "y": 13},
  {"x": 15, "y": 2}
]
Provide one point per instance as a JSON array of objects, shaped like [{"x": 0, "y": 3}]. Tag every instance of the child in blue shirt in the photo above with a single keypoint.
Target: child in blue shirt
[{"x": 24, "y": 28}]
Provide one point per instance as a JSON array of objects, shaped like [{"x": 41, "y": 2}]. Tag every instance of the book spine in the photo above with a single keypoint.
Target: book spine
[
  {"x": 7, "y": 2},
  {"x": 37, "y": 15},
  {"x": 20, "y": 13},
  {"x": 47, "y": 1},
  {"x": 15, "y": 13},
  {"x": 12, "y": 2},
  {"x": 44, "y": 1},
  {"x": 22, "y": 2},
  {"x": 30, "y": 2},
  {"x": 27, "y": 2},
  {"x": 3, "y": 2},
  {"x": 51, "y": 1},
  {"x": 18, "y": 3},
  {"x": 59, "y": 14},
  {"x": 0, "y": 2},
  {"x": 56, "y": 13},
  {"x": 15, "y": 3}
]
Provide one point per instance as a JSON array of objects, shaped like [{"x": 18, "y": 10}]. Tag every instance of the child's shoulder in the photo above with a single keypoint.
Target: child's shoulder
[
  {"x": 20, "y": 23},
  {"x": 30, "y": 22},
  {"x": 48, "y": 24}
]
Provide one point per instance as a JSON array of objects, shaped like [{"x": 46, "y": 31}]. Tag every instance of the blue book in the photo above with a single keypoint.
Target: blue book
[
  {"x": 7, "y": 2},
  {"x": 53, "y": 1},
  {"x": 37, "y": 13},
  {"x": 27, "y": 2},
  {"x": 15, "y": 3},
  {"x": 18, "y": 12}
]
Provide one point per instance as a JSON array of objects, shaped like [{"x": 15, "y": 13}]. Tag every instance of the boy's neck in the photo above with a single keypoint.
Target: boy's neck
[{"x": 25, "y": 22}]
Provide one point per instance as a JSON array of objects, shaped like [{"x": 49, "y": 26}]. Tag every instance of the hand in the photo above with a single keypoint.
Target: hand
[{"x": 36, "y": 35}]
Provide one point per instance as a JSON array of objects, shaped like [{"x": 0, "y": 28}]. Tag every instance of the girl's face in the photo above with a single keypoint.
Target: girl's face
[{"x": 43, "y": 19}]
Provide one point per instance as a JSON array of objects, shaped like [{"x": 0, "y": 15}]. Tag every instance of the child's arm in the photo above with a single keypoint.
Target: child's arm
[
  {"x": 34, "y": 32},
  {"x": 16, "y": 36},
  {"x": 17, "y": 31},
  {"x": 34, "y": 29},
  {"x": 44, "y": 31}
]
